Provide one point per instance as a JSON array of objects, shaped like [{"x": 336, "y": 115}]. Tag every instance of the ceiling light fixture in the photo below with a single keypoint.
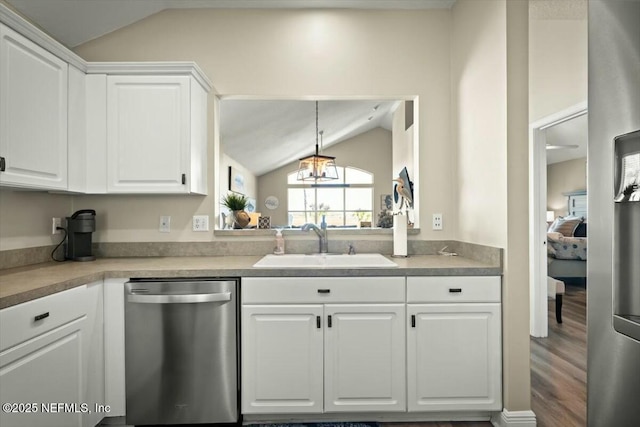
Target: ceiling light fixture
[
  {"x": 558, "y": 147},
  {"x": 317, "y": 167}
]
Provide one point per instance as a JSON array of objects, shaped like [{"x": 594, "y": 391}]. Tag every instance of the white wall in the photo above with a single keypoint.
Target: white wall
[
  {"x": 557, "y": 64},
  {"x": 297, "y": 53},
  {"x": 479, "y": 120},
  {"x": 490, "y": 130}
]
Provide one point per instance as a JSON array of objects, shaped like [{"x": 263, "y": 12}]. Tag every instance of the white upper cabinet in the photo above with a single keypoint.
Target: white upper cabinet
[
  {"x": 33, "y": 114},
  {"x": 151, "y": 144},
  {"x": 146, "y": 128}
]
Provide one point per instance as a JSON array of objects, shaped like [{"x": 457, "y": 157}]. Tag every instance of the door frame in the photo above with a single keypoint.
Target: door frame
[{"x": 538, "y": 304}]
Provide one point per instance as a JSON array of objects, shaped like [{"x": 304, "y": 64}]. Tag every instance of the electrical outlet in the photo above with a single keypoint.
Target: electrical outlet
[
  {"x": 55, "y": 223},
  {"x": 201, "y": 223},
  {"x": 165, "y": 224},
  {"x": 437, "y": 221}
]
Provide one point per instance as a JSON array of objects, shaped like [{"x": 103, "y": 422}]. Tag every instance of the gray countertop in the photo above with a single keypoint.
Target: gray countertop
[{"x": 18, "y": 285}]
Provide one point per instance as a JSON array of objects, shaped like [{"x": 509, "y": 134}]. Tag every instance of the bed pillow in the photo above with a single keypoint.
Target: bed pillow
[
  {"x": 581, "y": 230},
  {"x": 566, "y": 226}
]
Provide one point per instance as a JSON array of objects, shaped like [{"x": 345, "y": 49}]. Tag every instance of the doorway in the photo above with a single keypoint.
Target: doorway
[{"x": 539, "y": 139}]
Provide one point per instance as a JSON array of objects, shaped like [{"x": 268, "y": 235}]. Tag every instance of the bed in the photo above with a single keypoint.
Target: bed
[{"x": 567, "y": 254}]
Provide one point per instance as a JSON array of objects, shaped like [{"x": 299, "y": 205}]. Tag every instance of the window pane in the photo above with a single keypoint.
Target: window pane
[
  {"x": 330, "y": 199},
  {"x": 299, "y": 199},
  {"x": 333, "y": 219},
  {"x": 354, "y": 218},
  {"x": 298, "y": 219},
  {"x": 357, "y": 176},
  {"x": 359, "y": 199}
]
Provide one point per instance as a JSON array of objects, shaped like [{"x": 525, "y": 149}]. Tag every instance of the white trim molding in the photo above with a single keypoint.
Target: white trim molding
[
  {"x": 537, "y": 216},
  {"x": 168, "y": 68},
  {"x": 508, "y": 418}
]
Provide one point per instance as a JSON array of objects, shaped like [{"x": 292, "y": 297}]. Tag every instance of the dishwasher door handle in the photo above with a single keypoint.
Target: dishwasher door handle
[{"x": 179, "y": 299}]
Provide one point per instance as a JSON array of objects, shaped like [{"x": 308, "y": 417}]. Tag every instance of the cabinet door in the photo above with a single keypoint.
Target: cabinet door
[
  {"x": 33, "y": 114},
  {"x": 454, "y": 357},
  {"x": 148, "y": 134},
  {"x": 281, "y": 359},
  {"x": 45, "y": 371},
  {"x": 364, "y": 358}
]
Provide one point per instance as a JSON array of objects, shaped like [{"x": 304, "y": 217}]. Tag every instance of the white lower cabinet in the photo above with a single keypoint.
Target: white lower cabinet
[
  {"x": 454, "y": 344},
  {"x": 364, "y": 358},
  {"x": 41, "y": 361},
  {"x": 282, "y": 359},
  {"x": 327, "y": 353}
]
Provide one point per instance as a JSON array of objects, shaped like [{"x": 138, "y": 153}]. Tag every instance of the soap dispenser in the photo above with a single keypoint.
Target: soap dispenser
[{"x": 279, "y": 250}]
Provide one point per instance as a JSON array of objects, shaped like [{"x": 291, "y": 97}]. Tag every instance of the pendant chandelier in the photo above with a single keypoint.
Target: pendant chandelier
[{"x": 317, "y": 167}]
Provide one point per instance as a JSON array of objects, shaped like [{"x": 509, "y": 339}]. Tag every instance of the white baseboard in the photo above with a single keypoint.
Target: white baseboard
[{"x": 514, "y": 419}]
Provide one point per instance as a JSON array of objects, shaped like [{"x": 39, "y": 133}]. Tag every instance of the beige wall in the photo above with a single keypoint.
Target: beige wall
[
  {"x": 25, "y": 218},
  {"x": 295, "y": 53},
  {"x": 479, "y": 120},
  {"x": 557, "y": 64},
  {"x": 563, "y": 177},
  {"x": 354, "y": 152},
  {"x": 490, "y": 122}
]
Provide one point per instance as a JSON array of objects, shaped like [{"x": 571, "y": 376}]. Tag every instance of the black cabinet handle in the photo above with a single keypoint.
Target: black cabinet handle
[
  {"x": 318, "y": 322},
  {"x": 2, "y": 164},
  {"x": 455, "y": 290},
  {"x": 329, "y": 321},
  {"x": 184, "y": 179},
  {"x": 324, "y": 291},
  {"x": 413, "y": 320},
  {"x": 41, "y": 316}
]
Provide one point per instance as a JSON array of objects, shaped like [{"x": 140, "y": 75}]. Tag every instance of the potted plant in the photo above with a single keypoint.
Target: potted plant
[{"x": 237, "y": 203}]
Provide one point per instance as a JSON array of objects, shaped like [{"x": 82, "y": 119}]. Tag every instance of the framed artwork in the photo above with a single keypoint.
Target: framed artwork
[
  {"x": 236, "y": 180},
  {"x": 386, "y": 202},
  {"x": 251, "y": 205}
]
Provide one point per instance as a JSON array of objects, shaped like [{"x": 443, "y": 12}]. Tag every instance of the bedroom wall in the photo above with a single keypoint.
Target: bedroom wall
[{"x": 564, "y": 177}]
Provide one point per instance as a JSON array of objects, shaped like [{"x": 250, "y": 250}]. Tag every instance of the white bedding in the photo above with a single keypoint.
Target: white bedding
[{"x": 562, "y": 247}]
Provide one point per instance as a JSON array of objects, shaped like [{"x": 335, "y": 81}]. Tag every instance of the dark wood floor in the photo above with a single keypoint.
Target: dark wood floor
[{"x": 559, "y": 365}]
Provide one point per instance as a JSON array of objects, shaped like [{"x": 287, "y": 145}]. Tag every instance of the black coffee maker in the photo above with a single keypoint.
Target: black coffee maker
[{"x": 80, "y": 225}]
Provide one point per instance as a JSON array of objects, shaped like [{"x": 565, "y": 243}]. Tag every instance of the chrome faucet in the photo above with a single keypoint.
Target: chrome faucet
[{"x": 322, "y": 235}]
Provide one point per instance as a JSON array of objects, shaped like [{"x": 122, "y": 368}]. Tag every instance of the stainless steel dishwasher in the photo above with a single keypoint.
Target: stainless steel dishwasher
[{"x": 181, "y": 351}]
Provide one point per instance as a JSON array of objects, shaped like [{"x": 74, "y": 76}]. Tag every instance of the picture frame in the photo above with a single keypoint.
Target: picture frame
[
  {"x": 386, "y": 202},
  {"x": 236, "y": 180}
]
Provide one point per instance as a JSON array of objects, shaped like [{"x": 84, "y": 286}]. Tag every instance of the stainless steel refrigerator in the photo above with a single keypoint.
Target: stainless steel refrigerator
[{"x": 613, "y": 270}]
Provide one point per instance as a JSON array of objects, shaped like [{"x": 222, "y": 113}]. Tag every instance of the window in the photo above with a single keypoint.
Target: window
[{"x": 344, "y": 202}]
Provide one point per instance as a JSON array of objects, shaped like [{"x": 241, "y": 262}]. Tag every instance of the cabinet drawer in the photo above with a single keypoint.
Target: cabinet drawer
[
  {"x": 453, "y": 289},
  {"x": 320, "y": 290},
  {"x": 30, "y": 319}
]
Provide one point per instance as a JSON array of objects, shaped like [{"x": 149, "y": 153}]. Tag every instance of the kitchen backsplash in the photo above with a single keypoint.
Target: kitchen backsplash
[{"x": 28, "y": 256}]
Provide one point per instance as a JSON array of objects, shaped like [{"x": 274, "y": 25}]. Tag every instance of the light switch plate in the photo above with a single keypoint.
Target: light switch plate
[{"x": 201, "y": 223}]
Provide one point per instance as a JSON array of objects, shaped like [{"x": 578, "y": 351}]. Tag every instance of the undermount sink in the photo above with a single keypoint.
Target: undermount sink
[{"x": 325, "y": 261}]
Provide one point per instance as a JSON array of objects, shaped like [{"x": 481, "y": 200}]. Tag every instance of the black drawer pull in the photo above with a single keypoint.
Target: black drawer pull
[
  {"x": 324, "y": 291},
  {"x": 413, "y": 320},
  {"x": 41, "y": 316},
  {"x": 318, "y": 322},
  {"x": 329, "y": 320},
  {"x": 455, "y": 290}
]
